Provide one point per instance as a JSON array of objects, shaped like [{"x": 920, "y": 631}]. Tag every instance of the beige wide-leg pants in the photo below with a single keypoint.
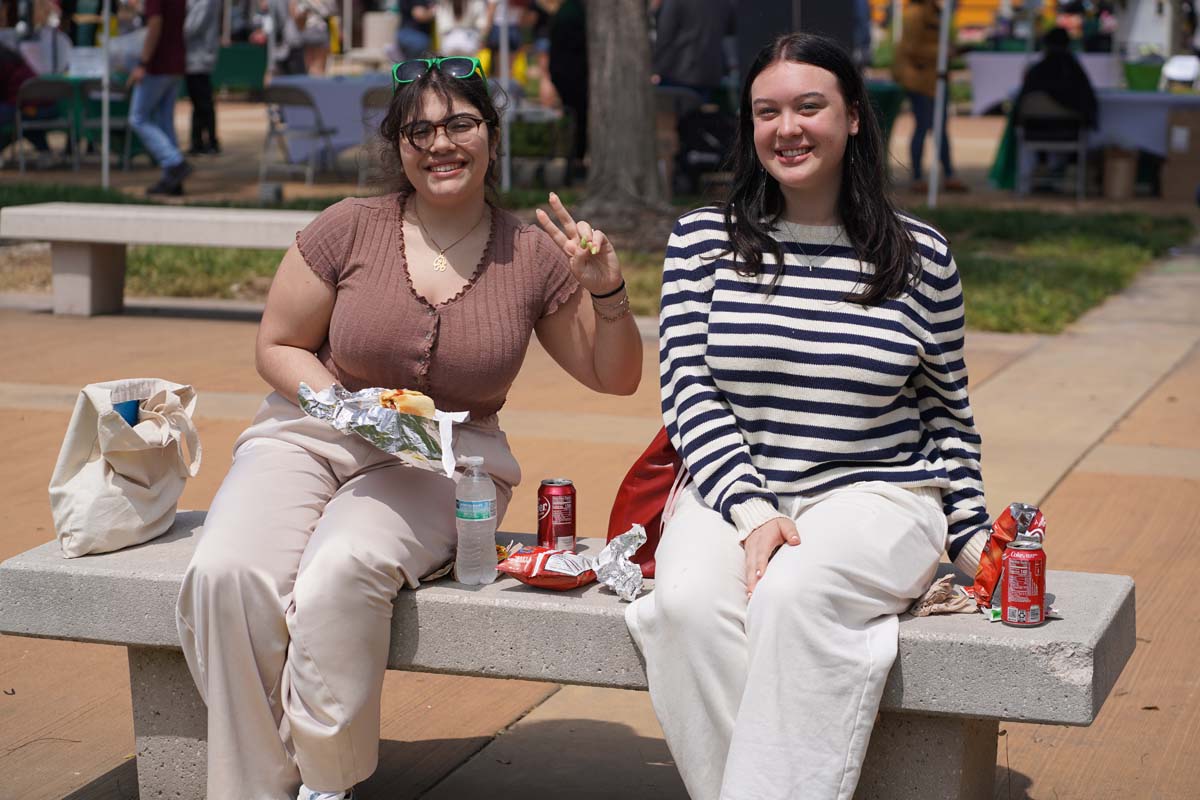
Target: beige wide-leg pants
[
  {"x": 775, "y": 698},
  {"x": 285, "y": 611}
]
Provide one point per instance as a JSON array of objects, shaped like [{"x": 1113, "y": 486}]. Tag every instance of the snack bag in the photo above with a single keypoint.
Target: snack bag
[
  {"x": 1019, "y": 519},
  {"x": 559, "y": 570},
  {"x": 403, "y": 422}
]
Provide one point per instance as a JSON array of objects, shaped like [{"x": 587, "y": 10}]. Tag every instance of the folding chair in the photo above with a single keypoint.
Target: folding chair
[
  {"x": 1044, "y": 126},
  {"x": 280, "y": 132},
  {"x": 374, "y": 105},
  {"x": 117, "y": 123},
  {"x": 44, "y": 91}
]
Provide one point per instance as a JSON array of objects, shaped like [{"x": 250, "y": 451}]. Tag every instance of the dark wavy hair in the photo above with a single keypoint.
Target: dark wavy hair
[
  {"x": 406, "y": 104},
  {"x": 755, "y": 202}
]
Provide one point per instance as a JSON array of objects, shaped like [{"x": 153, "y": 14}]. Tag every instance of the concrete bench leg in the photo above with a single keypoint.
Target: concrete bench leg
[
  {"x": 917, "y": 757},
  {"x": 911, "y": 756},
  {"x": 88, "y": 278},
  {"x": 170, "y": 723}
]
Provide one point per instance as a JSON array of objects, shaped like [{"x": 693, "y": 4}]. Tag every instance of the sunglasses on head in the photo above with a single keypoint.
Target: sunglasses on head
[{"x": 454, "y": 66}]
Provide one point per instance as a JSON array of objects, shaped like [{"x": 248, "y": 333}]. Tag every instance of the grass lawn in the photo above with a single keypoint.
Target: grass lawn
[{"x": 1026, "y": 271}]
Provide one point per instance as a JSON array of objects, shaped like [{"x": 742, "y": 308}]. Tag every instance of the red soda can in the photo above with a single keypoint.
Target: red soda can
[
  {"x": 556, "y": 514},
  {"x": 1023, "y": 590}
]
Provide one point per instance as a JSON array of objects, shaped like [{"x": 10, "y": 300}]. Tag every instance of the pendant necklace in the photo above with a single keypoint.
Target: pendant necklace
[
  {"x": 788, "y": 226},
  {"x": 440, "y": 263}
]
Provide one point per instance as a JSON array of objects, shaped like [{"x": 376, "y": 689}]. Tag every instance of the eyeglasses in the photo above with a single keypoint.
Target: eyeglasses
[
  {"x": 454, "y": 66},
  {"x": 459, "y": 128}
]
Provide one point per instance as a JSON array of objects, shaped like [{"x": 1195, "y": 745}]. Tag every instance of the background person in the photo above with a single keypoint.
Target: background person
[
  {"x": 287, "y": 47},
  {"x": 155, "y": 82},
  {"x": 568, "y": 71},
  {"x": 312, "y": 19},
  {"x": 202, "y": 39},
  {"x": 689, "y": 44},
  {"x": 462, "y": 26},
  {"x": 812, "y": 381},
  {"x": 915, "y": 69},
  {"x": 14, "y": 72},
  {"x": 414, "y": 34},
  {"x": 285, "y": 610},
  {"x": 1059, "y": 74}
]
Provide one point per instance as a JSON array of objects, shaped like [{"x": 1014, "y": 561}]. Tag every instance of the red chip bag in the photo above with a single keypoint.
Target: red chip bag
[
  {"x": 544, "y": 568},
  {"x": 1019, "y": 519}
]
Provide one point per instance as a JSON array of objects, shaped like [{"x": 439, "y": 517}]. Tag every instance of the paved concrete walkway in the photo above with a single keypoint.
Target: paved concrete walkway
[{"x": 1099, "y": 425}]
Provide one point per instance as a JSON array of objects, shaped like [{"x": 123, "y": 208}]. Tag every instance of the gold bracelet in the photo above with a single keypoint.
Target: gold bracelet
[{"x": 612, "y": 312}]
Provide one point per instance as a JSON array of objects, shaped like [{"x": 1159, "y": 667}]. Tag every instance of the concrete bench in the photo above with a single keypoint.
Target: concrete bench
[
  {"x": 955, "y": 678},
  {"x": 87, "y": 241}
]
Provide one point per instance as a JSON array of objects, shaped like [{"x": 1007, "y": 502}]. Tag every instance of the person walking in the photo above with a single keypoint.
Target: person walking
[
  {"x": 202, "y": 37},
  {"x": 915, "y": 69},
  {"x": 811, "y": 354},
  {"x": 155, "y": 82}
]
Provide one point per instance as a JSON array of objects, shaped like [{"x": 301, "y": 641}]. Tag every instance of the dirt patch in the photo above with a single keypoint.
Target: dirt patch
[
  {"x": 25, "y": 267},
  {"x": 254, "y": 288}
]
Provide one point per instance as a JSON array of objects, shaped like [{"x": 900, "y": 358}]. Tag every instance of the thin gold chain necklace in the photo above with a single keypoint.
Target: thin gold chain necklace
[
  {"x": 440, "y": 263},
  {"x": 791, "y": 229}
]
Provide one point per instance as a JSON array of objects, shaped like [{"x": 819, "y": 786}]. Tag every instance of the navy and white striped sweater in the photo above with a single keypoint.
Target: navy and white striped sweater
[{"x": 796, "y": 392}]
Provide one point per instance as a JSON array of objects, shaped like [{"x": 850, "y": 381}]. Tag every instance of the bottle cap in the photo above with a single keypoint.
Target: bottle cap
[{"x": 472, "y": 461}]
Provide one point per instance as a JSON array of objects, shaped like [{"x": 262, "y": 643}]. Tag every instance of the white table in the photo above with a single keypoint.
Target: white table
[
  {"x": 1137, "y": 120},
  {"x": 339, "y": 99},
  {"x": 996, "y": 77}
]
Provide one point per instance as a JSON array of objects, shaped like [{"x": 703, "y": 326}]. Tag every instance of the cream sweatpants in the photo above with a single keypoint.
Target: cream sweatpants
[
  {"x": 775, "y": 697},
  {"x": 285, "y": 611}
]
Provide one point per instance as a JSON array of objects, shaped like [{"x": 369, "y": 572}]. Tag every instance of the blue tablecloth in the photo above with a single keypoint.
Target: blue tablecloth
[
  {"x": 1137, "y": 120},
  {"x": 339, "y": 100}
]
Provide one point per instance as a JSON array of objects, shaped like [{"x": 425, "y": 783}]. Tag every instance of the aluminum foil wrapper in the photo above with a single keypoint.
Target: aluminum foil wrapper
[
  {"x": 613, "y": 567},
  {"x": 417, "y": 441}
]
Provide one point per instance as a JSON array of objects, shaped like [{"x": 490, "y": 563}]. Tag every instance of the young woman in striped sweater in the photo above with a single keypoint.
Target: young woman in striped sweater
[{"x": 812, "y": 379}]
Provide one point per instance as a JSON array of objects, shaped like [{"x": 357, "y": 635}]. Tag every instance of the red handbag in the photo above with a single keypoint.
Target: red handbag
[{"x": 644, "y": 494}]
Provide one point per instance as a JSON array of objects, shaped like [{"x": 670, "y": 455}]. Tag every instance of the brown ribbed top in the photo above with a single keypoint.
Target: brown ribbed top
[{"x": 464, "y": 352}]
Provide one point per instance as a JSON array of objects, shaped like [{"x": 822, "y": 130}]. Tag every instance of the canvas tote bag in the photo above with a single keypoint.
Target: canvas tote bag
[{"x": 116, "y": 484}]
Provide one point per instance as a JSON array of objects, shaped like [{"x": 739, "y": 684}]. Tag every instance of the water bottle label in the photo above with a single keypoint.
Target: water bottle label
[{"x": 475, "y": 509}]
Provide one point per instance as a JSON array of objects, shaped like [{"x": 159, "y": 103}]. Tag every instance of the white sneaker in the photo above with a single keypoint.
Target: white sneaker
[{"x": 312, "y": 794}]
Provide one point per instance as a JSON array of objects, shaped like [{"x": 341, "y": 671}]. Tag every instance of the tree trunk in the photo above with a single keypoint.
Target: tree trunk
[{"x": 623, "y": 179}]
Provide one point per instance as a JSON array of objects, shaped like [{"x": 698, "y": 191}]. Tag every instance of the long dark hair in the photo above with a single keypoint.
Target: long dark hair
[
  {"x": 756, "y": 203},
  {"x": 406, "y": 104}
]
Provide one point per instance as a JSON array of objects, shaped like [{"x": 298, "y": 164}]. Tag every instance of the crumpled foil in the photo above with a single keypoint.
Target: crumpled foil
[
  {"x": 417, "y": 441},
  {"x": 613, "y": 567}
]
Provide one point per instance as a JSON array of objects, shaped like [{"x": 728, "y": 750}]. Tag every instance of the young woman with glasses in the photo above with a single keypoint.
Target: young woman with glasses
[
  {"x": 813, "y": 382},
  {"x": 285, "y": 612}
]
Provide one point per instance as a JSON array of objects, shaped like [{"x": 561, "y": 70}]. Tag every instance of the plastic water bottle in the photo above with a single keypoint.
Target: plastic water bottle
[{"x": 475, "y": 517}]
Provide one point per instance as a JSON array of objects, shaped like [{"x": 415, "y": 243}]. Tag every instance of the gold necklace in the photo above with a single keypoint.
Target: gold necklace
[
  {"x": 790, "y": 227},
  {"x": 440, "y": 263}
]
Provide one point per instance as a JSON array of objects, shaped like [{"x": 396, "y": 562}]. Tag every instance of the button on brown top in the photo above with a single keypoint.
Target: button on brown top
[{"x": 465, "y": 352}]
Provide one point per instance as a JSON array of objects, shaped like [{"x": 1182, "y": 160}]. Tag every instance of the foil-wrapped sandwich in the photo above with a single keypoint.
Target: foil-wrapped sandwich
[{"x": 403, "y": 422}]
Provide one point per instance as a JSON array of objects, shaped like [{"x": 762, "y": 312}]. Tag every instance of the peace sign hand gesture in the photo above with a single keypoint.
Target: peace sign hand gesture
[{"x": 592, "y": 258}]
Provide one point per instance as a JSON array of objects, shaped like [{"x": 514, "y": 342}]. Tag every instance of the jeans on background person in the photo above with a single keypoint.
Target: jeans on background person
[
  {"x": 515, "y": 39},
  {"x": 152, "y": 116},
  {"x": 922, "y": 108},
  {"x": 412, "y": 43}
]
